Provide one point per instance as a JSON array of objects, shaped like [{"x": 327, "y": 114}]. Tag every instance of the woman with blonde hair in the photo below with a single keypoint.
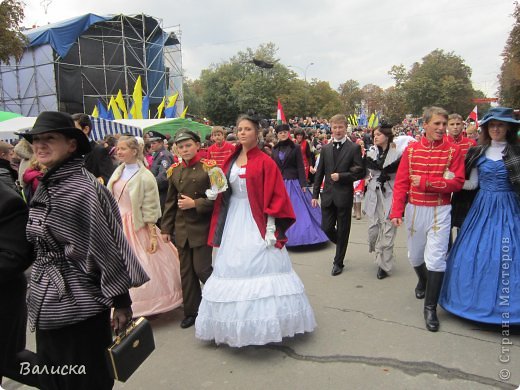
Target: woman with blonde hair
[{"x": 135, "y": 189}]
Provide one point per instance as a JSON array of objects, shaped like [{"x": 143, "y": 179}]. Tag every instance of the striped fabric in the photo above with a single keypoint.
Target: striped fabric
[
  {"x": 102, "y": 127},
  {"x": 82, "y": 259}
]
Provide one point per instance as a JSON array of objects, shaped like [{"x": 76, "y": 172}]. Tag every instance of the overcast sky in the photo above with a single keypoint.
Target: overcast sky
[{"x": 344, "y": 39}]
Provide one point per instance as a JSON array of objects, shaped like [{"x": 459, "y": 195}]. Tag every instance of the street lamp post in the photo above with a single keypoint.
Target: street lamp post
[{"x": 302, "y": 69}]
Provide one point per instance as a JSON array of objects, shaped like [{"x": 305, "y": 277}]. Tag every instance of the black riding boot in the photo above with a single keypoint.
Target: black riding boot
[
  {"x": 433, "y": 290},
  {"x": 422, "y": 274}
]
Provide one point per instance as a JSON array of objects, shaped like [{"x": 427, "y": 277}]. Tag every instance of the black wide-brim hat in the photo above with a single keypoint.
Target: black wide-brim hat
[{"x": 60, "y": 122}]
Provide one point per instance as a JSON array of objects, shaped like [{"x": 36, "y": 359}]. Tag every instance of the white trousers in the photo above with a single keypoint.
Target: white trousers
[
  {"x": 428, "y": 235},
  {"x": 381, "y": 235}
]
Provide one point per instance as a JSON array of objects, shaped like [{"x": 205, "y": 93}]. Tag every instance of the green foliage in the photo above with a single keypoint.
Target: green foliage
[
  {"x": 394, "y": 105},
  {"x": 509, "y": 78},
  {"x": 12, "y": 41},
  {"x": 233, "y": 87},
  {"x": 350, "y": 96},
  {"x": 442, "y": 79}
]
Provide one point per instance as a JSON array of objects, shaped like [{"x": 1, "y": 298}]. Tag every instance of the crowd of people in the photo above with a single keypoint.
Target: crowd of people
[{"x": 140, "y": 226}]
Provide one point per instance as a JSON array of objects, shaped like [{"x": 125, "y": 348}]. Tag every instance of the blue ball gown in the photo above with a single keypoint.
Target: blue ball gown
[{"x": 482, "y": 280}]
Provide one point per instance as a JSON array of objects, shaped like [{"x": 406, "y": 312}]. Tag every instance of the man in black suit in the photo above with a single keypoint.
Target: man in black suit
[
  {"x": 97, "y": 161},
  {"x": 341, "y": 164}
]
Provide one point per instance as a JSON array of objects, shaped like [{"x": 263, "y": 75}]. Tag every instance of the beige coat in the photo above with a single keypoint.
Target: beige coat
[{"x": 144, "y": 195}]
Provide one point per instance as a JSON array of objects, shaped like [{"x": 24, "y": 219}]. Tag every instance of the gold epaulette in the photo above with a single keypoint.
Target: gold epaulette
[
  {"x": 169, "y": 171},
  {"x": 207, "y": 164}
]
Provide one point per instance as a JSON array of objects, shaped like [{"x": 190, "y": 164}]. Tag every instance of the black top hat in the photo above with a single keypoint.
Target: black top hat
[
  {"x": 184, "y": 134},
  {"x": 60, "y": 122},
  {"x": 155, "y": 136}
]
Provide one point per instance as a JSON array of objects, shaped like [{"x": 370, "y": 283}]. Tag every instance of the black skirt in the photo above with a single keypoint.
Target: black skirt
[{"x": 76, "y": 353}]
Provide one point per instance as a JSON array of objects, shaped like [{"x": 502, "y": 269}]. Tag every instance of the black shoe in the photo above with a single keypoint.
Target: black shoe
[
  {"x": 188, "y": 321},
  {"x": 336, "y": 269},
  {"x": 381, "y": 273}
]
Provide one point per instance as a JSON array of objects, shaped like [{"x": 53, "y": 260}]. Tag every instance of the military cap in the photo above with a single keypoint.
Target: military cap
[
  {"x": 155, "y": 136},
  {"x": 184, "y": 134}
]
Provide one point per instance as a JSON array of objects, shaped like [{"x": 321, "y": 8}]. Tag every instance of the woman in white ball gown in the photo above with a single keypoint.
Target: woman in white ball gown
[{"x": 253, "y": 296}]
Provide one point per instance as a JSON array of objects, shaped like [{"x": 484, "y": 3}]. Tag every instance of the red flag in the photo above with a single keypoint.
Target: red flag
[
  {"x": 280, "y": 116},
  {"x": 474, "y": 115}
]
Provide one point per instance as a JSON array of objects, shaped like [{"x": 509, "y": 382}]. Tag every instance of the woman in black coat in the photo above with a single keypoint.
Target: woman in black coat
[
  {"x": 15, "y": 258},
  {"x": 287, "y": 155}
]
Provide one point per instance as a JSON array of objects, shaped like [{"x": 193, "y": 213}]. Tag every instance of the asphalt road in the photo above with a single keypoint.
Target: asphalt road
[{"x": 370, "y": 335}]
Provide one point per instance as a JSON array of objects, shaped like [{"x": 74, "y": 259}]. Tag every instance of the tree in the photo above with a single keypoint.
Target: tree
[
  {"x": 350, "y": 95},
  {"x": 192, "y": 91},
  {"x": 509, "y": 78},
  {"x": 442, "y": 79},
  {"x": 373, "y": 95},
  {"x": 399, "y": 74},
  {"x": 394, "y": 110},
  {"x": 12, "y": 41},
  {"x": 323, "y": 100}
]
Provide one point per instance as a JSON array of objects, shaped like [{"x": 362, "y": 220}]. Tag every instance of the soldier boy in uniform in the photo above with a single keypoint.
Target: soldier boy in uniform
[{"x": 187, "y": 215}]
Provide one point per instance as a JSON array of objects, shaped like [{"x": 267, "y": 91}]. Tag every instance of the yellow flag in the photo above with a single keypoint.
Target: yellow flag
[
  {"x": 112, "y": 106},
  {"x": 371, "y": 121},
  {"x": 137, "y": 109},
  {"x": 95, "y": 112},
  {"x": 160, "y": 107},
  {"x": 173, "y": 99},
  {"x": 376, "y": 122},
  {"x": 120, "y": 100},
  {"x": 183, "y": 115}
]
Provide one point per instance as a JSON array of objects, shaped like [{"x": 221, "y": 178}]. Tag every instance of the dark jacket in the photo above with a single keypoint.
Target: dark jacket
[
  {"x": 99, "y": 163},
  {"x": 291, "y": 165},
  {"x": 192, "y": 225},
  {"x": 15, "y": 257},
  {"x": 7, "y": 174},
  {"x": 350, "y": 166}
]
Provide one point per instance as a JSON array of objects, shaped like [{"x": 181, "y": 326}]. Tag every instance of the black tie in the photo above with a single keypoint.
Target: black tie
[{"x": 337, "y": 144}]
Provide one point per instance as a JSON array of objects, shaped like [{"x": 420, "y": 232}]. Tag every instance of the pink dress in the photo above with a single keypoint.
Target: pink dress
[{"x": 163, "y": 292}]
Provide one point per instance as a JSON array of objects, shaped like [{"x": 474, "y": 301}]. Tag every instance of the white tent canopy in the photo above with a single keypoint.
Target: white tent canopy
[
  {"x": 100, "y": 127},
  {"x": 19, "y": 124}
]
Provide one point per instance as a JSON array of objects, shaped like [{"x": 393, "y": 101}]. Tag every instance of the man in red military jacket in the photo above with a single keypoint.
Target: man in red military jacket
[
  {"x": 460, "y": 201},
  {"x": 430, "y": 170},
  {"x": 455, "y": 136}
]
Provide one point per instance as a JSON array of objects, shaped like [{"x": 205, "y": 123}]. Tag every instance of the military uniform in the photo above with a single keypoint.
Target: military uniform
[
  {"x": 162, "y": 160},
  {"x": 190, "y": 226}
]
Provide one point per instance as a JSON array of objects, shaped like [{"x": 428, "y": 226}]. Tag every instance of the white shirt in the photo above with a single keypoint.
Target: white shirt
[{"x": 129, "y": 171}]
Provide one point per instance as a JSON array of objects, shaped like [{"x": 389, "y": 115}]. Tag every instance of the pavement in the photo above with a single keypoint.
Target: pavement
[{"x": 370, "y": 335}]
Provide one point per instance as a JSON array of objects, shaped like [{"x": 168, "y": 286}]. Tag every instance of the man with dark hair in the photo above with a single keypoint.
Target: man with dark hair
[{"x": 98, "y": 161}]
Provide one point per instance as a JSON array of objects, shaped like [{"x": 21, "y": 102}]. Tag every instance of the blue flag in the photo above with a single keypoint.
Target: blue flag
[
  {"x": 103, "y": 112},
  {"x": 146, "y": 106}
]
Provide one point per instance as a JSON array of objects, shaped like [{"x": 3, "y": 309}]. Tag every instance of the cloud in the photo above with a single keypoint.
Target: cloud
[{"x": 358, "y": 40}]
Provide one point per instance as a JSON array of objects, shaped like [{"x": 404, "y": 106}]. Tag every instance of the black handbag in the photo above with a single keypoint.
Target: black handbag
[{"x": 130, "y": 349}]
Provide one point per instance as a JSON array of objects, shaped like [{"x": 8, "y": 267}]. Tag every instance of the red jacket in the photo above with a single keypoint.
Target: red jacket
[
  {"x": 435, "y": 162},
  {"x": 463, "y": 143},
  {"x": 220, "y": 153},
  {"x": 266, "y": 193}
]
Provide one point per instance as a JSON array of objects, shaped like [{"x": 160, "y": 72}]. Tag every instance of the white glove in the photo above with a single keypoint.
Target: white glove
[
  {"x": 270, "y": 238},
  {"x": 211, "y": 193}
]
